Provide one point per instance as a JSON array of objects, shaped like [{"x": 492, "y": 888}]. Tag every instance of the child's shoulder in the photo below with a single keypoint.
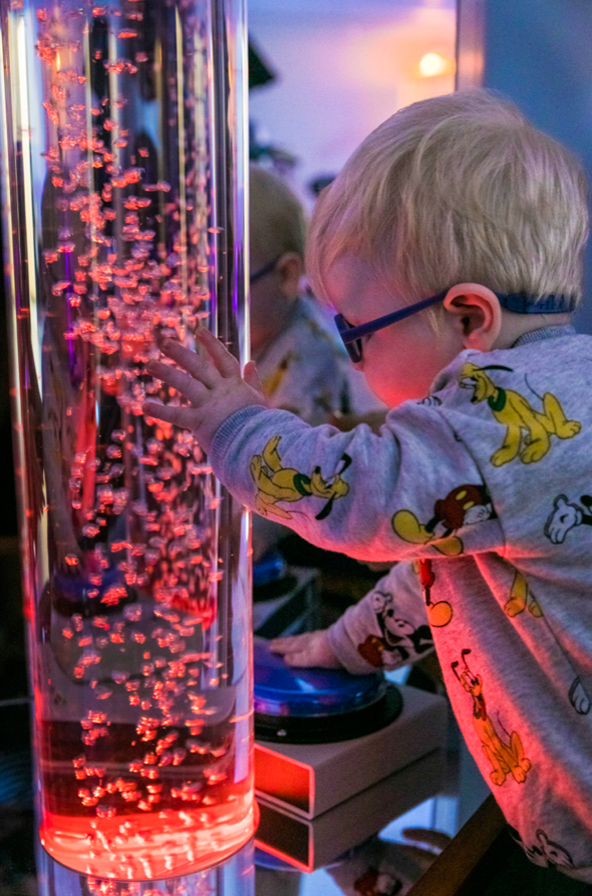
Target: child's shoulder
[
  {"x": 561, "y": 360},
  {"x": 523, "y": 406}
]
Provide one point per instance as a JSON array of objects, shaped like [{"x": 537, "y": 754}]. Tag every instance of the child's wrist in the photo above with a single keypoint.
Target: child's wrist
[
  {"x": 224, "y": 431},
  {"x": 333, "y": 641},
  {"x": 206, "y": 431},
  {"x": 345, "y": 650}
]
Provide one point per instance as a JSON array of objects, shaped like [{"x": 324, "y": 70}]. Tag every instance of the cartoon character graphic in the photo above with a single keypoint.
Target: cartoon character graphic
[
  {"x": 440, "y": 612},
  {"x": 522, "y": 598},
  {"x": 528, "y": 432},
  {"x": 579, "y": 698},
  {"x": 566, "y": 515},
  {"x": 505, "y": 757},
  {"x": 463, "y": 506},
  {"x": 276, "y": 483},
  {"x": 398, "y": 639},
  {"x": 272, "y": 383},
  {"x": 556, "y": 856},
  {"x": 431, "y": 401},
  {"x": 377, "y": 883}
]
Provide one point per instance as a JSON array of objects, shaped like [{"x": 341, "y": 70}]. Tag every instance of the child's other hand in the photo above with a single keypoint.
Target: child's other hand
[
  {"x": 213, "y": 385},
  {"x": 309, "y": 649}
]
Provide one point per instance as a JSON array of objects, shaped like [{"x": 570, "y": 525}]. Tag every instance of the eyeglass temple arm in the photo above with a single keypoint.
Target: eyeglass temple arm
[{"x": 354, "y": 333}]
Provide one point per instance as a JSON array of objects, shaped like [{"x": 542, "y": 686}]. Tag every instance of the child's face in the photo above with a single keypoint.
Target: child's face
[{"x": 400, "y": 361}]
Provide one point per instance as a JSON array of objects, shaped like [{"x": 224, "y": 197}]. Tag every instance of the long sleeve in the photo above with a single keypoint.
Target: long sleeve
[
  {"x": 388, "y": 628},
  {"x": 394, "y": 496}
]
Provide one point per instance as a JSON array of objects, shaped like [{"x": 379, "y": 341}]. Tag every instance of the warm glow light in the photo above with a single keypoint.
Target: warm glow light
[
  {"x": 150, "y": 846},
  {"x": 433, "y": 64}
]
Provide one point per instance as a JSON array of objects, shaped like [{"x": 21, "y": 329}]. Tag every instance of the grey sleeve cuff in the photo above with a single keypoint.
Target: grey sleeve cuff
[
  {"x": 223, "y": 435},
  {"x": 345, "y": 650}
]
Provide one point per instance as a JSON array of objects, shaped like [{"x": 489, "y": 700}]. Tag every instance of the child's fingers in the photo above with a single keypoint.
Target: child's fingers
[
  {"x": 177, "y": 379},
  {"x": 307, "y": 649},
  {"x": 303, "y": 659},
  {"x": 251, "y": 376},
  {"x": 180, "y": 416},
  {"x": 199, "y": 368},
  {"x": 286, "y": 645},
  {"x": 226, "y": 363}
]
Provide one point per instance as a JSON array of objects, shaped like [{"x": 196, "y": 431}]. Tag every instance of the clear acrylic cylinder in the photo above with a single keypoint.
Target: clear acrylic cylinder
[
  {"x": 123, "y": 175},
  {"x": 233, "y": 877}
]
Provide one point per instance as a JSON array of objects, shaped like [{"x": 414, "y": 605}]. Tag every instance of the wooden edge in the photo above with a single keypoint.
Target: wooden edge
[{"x": 459, "y": 859}]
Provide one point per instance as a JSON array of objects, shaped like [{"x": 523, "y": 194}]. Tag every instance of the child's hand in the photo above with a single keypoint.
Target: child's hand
[
  {"x": 309, "y": 649},
  {"x": 213, "y": 385}
]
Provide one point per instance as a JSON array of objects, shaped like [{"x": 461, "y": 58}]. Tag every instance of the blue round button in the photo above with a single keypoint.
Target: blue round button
[{"x": 282, "y": 690}]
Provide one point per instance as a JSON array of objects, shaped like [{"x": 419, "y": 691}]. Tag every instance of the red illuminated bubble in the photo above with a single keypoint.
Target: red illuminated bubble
[
  {"x": 162, "y": 186},
  {"x": 113, "y": 595}
]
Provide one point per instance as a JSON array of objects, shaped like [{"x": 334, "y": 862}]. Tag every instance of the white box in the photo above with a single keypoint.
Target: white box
[
  {"x": 309, "y": 779},
  {"x": 311, "y": 843}
]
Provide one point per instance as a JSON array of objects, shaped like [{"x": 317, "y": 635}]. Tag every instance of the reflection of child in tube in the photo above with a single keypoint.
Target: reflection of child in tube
[
  {"x": 67, "y": 411},
  {"x": 301, "y": 363}
]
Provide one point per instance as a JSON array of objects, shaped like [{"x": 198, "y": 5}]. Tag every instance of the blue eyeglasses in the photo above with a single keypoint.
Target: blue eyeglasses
[
  {"x": 265, "y": 270},
  {"x": 520, "y": 303},
  {"x": 352, "y": 336}
]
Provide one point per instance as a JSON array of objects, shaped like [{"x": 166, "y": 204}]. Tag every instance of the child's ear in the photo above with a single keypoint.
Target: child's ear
[
  {"x": 290, "y": 268},
  {"x": 477, "y": 313}
]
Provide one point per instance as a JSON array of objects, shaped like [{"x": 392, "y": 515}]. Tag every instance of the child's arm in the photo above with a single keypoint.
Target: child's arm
[
  {"x": 388, "y": 628},
  {"x": 374, "y": 497}
]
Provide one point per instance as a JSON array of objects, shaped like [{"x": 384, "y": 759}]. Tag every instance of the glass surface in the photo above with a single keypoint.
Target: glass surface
[
  {"x": 124, "y": 220},
  {"x": 395, "y": 859},
  {"x": 234, "y": 877}
]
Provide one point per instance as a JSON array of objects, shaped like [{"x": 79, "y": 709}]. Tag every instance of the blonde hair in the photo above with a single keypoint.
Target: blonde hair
[
  {"x": 276, "y": 217},
  {"x": 453, "y": 189}
]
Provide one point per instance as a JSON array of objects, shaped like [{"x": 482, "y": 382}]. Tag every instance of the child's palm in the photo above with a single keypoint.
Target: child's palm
[{"x": 211, "y": 384}]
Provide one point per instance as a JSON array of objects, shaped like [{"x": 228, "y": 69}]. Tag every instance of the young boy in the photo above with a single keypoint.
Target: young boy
[{"x": 479, "y": 479}]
